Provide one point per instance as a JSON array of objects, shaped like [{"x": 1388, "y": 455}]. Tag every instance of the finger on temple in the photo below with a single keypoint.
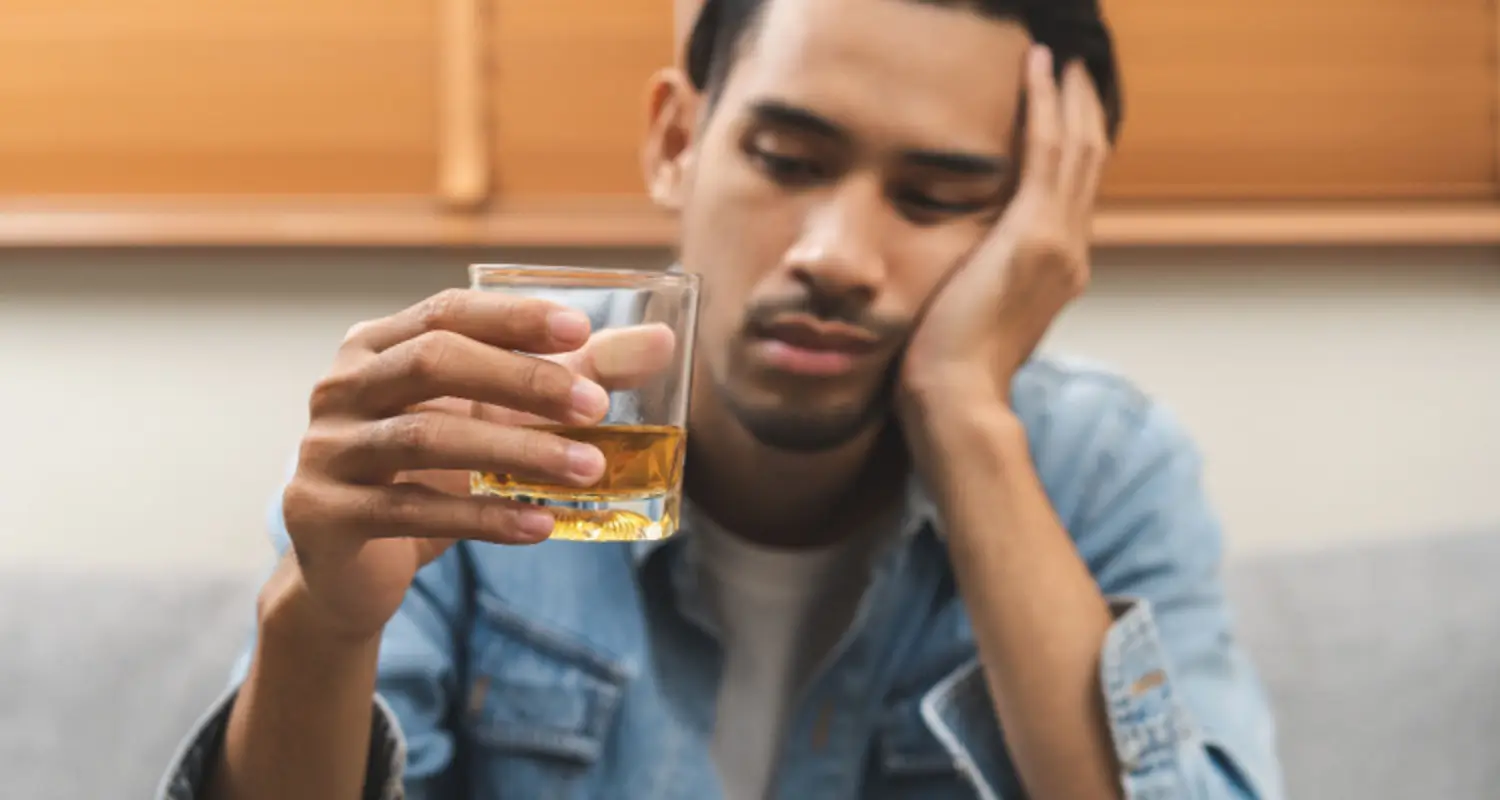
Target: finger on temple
[
  {"x": 1078, "y": 118},
  {"x": 1039, "y": 169}
]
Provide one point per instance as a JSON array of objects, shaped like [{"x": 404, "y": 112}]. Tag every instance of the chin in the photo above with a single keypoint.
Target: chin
[{"x": 804, "y": 427}]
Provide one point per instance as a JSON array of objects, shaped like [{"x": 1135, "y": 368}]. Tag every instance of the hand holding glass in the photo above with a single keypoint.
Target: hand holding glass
[{"x": 641, "y": 351}]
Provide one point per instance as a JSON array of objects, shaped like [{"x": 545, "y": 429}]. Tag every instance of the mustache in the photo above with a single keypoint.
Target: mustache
[{"x": 764, "y": 314}]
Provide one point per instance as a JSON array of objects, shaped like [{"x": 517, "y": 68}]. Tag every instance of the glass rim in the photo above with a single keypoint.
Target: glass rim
[{"x": 582, "y": 277}]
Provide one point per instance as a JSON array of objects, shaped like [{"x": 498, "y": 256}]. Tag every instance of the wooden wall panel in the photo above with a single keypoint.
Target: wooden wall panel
[
  {"x": 569, "y": 85},
  {"x": 1295, "y": 100},
  {"x": 146, "y": 97},
  {"x": 1274, "y": 100},
  {"x": 345, "y": 121}
]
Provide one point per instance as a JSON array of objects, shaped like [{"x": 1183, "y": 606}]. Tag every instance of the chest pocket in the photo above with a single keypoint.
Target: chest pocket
[
  {"x": 909, "y": 763},
  {"x": 540, "y": 709}
]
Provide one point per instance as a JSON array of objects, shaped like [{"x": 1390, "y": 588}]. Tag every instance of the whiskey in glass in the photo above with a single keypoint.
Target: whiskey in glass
[{"x": 644, "y": 436}]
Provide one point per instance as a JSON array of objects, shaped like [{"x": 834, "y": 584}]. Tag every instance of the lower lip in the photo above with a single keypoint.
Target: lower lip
[{"x": 803, "y": 361}]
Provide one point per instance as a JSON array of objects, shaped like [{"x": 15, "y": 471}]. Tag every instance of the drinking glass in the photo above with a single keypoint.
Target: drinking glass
[{"x": 644, "y": 435}]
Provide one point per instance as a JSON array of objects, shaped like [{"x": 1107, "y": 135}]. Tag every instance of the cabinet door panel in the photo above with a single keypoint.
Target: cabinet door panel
[
  {"x": 569, "y": 83},
  {"x": 228, "y": 97},
  {"x": 1284, "y": 99}
]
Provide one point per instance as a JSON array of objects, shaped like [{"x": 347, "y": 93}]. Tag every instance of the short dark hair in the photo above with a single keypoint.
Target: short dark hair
[{"x": 1073, "y": 29}]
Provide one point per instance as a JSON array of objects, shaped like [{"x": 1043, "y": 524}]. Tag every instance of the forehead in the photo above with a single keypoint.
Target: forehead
[{"x": 898, "y": 72}]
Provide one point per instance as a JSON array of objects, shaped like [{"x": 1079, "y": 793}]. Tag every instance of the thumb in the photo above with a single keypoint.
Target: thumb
[{"x": 626, "y": 357}]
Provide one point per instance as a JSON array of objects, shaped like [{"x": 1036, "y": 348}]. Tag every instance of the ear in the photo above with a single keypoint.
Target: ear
[{"x": 666, "y": 156}]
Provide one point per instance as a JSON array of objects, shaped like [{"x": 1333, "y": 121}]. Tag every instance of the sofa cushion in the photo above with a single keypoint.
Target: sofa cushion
[
  {"x": 102, "y": 675},
  {"x": 1381, "y": 662}
]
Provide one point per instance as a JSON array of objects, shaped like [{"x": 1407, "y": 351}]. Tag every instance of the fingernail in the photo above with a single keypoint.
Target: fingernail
[
  {"x": 568, "y": 325},
  {"x": 535, "y": 524},
  {"x": 585, "y": 461},
  {"x": 589, "y": 398}
]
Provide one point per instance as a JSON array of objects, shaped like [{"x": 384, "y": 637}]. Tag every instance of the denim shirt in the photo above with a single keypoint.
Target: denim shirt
[{"x": 588, "y": 670}]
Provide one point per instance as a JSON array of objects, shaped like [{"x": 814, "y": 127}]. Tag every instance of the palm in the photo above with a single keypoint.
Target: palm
[{"x": 994, "y": 309}]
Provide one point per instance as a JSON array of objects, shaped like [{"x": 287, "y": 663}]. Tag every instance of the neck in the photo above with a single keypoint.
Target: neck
[{"x": 789, "y": 499}]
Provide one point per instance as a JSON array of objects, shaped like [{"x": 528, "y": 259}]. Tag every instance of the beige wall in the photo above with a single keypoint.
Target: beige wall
[{"x": 149, "y": 400}]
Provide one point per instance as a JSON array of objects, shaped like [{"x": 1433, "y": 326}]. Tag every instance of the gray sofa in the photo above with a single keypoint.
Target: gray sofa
[{"x": 1382, "y": 663}]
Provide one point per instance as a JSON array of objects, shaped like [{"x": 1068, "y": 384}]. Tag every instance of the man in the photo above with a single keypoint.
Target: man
[{"x": 919, "y": 563}]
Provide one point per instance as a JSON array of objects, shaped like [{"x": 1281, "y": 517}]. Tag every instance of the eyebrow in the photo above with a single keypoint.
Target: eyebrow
[{"x": 791, "y": 117}]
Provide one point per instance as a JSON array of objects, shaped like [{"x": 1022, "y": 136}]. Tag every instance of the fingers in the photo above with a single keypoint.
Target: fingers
[
  {"x": 1066, "y": 144},
  {"x": 506, "y": 321},
  {"x": 408, "y": 510},
  {"x": 625, "y": 358},
  {"x": 618, "y": 359},
  {"x": 1086, "y": 142},
  {"x": 373, "y": 452},
  {"x": 443, "y": 363},
  {"x": 1043, "y": 143}
]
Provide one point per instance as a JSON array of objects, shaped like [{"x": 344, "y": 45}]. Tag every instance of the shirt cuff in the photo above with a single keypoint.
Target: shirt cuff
[
  {"x": 192, "y": 767},
  {"x": 1148, "y": 722}
]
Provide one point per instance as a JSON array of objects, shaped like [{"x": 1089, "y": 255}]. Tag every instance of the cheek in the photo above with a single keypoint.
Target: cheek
[{"x": 735, "y": 232}]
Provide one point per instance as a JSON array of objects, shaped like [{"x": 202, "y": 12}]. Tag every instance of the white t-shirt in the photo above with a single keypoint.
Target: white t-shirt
[{"x": 779, "y": 612}]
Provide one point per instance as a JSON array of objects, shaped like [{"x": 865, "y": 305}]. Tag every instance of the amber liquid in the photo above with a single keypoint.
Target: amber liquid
[{"x": 639, "y": 496}]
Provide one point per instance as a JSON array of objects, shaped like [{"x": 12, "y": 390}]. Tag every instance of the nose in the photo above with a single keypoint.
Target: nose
[{"x": 838, "y": 258}]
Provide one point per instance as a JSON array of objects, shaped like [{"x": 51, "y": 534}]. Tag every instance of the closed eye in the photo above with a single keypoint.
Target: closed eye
[
  {"x": 788, "y": 170},
  {"x": 924, "y": 208}
]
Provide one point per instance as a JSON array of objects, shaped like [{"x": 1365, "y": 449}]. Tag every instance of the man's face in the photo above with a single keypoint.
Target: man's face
[{"x": 858, "y": 151}]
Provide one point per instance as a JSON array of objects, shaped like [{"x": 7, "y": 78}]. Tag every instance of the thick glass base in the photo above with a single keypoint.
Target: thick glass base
[{"x": 594, "y": 517}]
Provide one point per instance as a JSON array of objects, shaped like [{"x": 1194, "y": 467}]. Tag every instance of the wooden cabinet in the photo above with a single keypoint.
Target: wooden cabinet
[
  {"x": 1285, "y": 100},
  {"x": 229, "y": 98},
  {"x": 472, "y": 122},
  {"x": 569, "y": 82}
]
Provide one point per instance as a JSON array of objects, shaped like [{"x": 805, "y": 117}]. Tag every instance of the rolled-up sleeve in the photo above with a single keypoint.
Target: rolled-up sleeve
[
  {"x": 189, "y": 773},
  {"x": 1170, "y": 746},
  {"x": 411, "y": 743},
  {"x": 1186, "y": 710}
]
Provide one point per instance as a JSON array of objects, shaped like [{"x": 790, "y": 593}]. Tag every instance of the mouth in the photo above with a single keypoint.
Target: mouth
[{"x": 804, "y": 345}]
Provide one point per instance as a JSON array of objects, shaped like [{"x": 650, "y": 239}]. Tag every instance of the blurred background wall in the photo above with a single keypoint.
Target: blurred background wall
[
  {"x": 196, "y": 200},
  {"x": 1298, "y": 250},
  {"x": 152, "y": 397}
]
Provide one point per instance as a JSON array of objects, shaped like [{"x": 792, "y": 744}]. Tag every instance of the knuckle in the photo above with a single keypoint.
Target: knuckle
[
  {"x": 332, "y": 393},
  {"x": 428, "y": 352},
  {"x": 529, "y": 449},
  {"x": 356, "y": 331},
  {"x": 491, "y": 517},
  {"x": 527, "y": 316},
  {"x": 1050, "y": 149},
  {"x": 543, "y": 452},
  {"x": 1048, "y": 249},
  {"x": 412, "y": 434},
  {"x": 545, "y": 381},
  {"x": 399, "y": 509},
  {"x": 1094, "y": 147},
  {"x": 437, "y": 312},
  {"x": 302, "y": 507},
  {"x": 319, "y": 446}
]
